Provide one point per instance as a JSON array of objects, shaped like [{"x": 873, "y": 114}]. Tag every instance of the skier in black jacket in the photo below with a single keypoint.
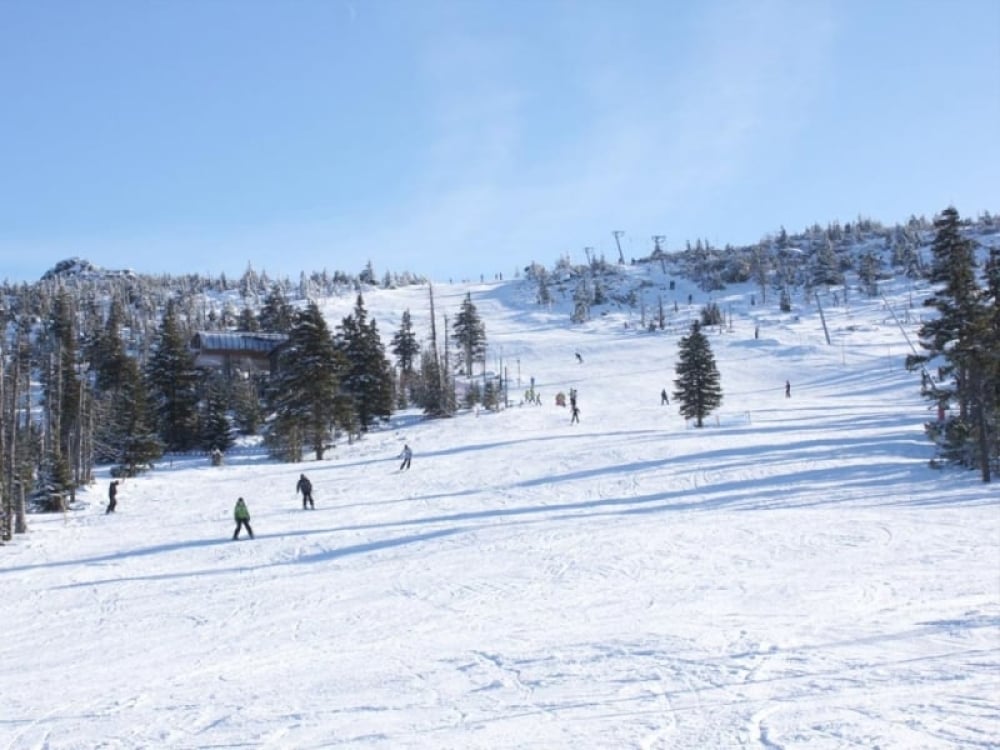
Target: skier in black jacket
[
  {"x": 112, "y": 497},
  {"x": 305, "y": 487}
]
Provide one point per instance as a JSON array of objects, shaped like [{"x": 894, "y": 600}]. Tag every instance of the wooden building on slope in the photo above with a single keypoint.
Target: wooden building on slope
[{"x": 237, "y": 351}]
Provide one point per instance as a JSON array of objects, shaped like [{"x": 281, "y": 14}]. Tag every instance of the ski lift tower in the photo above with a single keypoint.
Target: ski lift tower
[{"x": 617, "y": 234}]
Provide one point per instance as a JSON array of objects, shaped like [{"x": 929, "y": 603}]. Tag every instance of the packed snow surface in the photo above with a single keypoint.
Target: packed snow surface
[{"x": 791, "y": 575}]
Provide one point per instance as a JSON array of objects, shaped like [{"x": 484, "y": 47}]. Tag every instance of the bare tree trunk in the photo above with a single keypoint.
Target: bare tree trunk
[
  {"x": 7, "y": 507},
  {"x": 13, "y": 481}
]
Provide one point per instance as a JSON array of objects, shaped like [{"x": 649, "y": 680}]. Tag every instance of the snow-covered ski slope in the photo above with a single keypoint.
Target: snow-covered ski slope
[{"x": 793, "y": 575}]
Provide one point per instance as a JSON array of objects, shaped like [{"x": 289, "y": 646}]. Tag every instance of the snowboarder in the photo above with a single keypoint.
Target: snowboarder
[
  {"x": 576, "y": 415},
  {"x": 305, "y": 487},
  {"x": 579, "y": 358},
  {"x": 406, "y": 455},
  {"x": 112, "y": 497},
  {"x": 242, "y": 517},
  {"x": 663, "y": 398},
  {"x": 788, "y": 389}
]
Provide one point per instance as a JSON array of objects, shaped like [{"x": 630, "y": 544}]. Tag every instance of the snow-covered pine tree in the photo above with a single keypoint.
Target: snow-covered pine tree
[
  {"x": 698, "y": 391},
  {"x": 137, "y": 444},
  {"x": 949, "y": 339},
  {"x": 438, "y": 396},
  {"x": 62, "y": 389},
  {"x": 825, "y": 267},
  {"x": 581, "y": 302},
  {"x": 367, "y": 379},
  {"x": 469, "y": 334},
  {"x": 305, "y": 394},
  {"x": 276, "y": 314},
  {"x": 869, "y": 272},
  {"x": 247, "y": 321},
  {"x": 172, "y": 382},
  {"x": 124, "y": 429},
  {"x": 216, "y": 428},
  {"x": 406, "y": 348}
]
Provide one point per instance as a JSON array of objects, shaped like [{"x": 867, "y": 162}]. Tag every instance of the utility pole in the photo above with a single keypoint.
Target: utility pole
[{"x": 617, "y": 234}]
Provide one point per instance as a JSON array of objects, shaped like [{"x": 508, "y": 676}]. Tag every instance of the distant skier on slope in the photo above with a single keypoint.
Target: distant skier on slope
[
  {"x": 112, "y": 497},
  {"x": 406, "y": 455},
  {"x": 305, "y": 487},
  {"x": 242, "y": 517}
]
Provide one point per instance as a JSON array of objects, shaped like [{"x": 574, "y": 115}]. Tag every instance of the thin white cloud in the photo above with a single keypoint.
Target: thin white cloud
[{"x": 748, "y": 76}]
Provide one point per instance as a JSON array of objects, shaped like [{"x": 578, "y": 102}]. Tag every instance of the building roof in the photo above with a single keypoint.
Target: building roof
[{"x": 248, "y": 342}]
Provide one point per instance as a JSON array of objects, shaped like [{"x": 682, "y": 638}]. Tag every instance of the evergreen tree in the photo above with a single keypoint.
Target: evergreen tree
[
  {"x": 948, "y": 340},
  {"x": 367, "y": 275},
  {"x": 173, "y": 384},
  {"x": 305, "y": 397},
  {"x": 62, "y": 390},
  {"x": 368, "y": 377},
  {"x": 276, "y": 314},
  {"x": 698, "y": 391},
  {"x": 247, "y": 321},
  {"x": 711, "y": 315},
  {"x": 581, "y": 302},
  {"x": 216, "y": 428},
  {"x": 869, "y": 271},
  {"x": 137, "y": 443},
  {"x": 826, "y": 267},
  {"x": 983, "y": 363},
  {"x": 19, "y": 446},
  {"x": 106, "y": 352},
  {"x": 437, "y": 396},
  {"x": 406, "y": 348},
  {"x": 785, "y": 301},
  {"x": 123, "y": 431},
  {"x": 469, "y": 334},
  {"x": 245, "y": 395},
  {"x": 538, "y": 273},
  {"x": 405, "y": 345}
]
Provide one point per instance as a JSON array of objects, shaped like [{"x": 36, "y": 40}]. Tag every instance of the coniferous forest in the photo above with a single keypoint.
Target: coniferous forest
[{"x": 98, "y": 367}]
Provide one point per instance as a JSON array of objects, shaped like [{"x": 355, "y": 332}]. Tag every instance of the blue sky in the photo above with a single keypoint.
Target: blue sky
[{"x": 456, "y": 138}]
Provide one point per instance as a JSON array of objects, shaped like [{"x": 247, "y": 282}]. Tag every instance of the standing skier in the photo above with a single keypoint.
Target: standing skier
[
  {"x": 242, "y": 517},
  {"x": 663, "y": 398},
  {"x": 406, "y": 455},
  {"x": 305, "y": 487},
  {"x": 112, "y": 497}
]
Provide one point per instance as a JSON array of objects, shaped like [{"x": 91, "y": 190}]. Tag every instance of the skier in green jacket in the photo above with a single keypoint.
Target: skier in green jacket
[{"x": 242, "y": 516}]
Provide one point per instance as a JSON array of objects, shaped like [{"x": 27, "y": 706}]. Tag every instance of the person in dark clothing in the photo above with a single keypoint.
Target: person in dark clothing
[
  {"x": 579, "y": 358},
  {"x": 576, "y": 415},
  {"x": 112, "y": 497},
  {"x": 406, "y": 455},
  {"x": 305, "y": 487},
  {"x": 242, "y": 517},
  {"x": 788, "y": 389},
  {"x": 663, "y": 397}
]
